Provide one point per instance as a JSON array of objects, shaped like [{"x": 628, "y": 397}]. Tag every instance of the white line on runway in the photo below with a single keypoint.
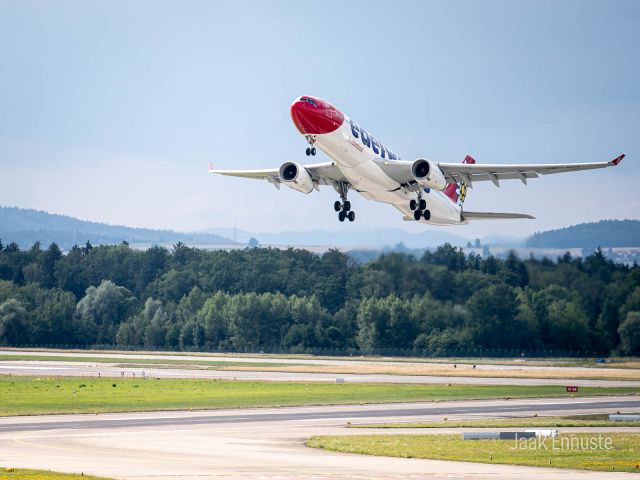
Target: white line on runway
[{"x": 24, "y": 367}]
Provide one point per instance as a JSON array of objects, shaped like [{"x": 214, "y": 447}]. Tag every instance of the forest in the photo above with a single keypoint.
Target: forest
[{"x": 442, "y": 303}]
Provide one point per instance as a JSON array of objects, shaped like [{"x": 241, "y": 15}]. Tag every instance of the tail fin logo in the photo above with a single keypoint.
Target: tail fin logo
[{"x": 457, "y": 192}]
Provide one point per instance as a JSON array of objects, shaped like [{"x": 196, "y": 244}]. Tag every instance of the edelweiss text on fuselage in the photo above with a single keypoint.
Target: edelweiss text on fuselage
[{"x": 370, "y": 141}]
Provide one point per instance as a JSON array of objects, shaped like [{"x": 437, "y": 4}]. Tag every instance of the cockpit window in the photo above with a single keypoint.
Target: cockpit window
[{"x": 309, "y": 100}]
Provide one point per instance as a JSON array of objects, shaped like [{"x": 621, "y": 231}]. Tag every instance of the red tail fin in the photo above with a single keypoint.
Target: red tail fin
[{"x": 455, "y": 190}]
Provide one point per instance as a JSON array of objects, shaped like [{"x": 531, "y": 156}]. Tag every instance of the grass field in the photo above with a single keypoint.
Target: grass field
[
  {"x": 42, "y": 395},
  {"x": 24, "y": 474},
  {"x": 623, "y": 456},
  {"x": 139, "y": 362},
  {"x": 595, "y": 420}
]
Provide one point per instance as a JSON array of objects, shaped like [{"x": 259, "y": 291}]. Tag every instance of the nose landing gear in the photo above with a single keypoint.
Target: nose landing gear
[{"x": 311, "y": 150}]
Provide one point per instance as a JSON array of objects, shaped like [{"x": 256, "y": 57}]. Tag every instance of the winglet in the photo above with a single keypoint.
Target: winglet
[
  {"x": 617, "y": 160},
  {"x": 210, "y": 167}
]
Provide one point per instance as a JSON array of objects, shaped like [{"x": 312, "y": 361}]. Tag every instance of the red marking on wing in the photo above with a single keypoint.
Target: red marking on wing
[{"x": 616, "y": 160}]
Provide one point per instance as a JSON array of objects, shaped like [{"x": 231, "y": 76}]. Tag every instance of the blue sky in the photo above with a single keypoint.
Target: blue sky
[{"x": 112, "y": 110}]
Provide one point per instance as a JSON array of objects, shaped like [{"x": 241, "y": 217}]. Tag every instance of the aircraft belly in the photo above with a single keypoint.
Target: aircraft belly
[
  {"x": 443, "y": 211},
  {"x": 369, "y": 177},
  {"x": 366, "y": 176}
]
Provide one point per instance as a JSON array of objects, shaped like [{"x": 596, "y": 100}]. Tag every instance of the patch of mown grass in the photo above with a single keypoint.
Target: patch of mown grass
[
  {"x": 27, "y": 474},
  {"x": 594, "y": 420},
  {"x": 43, "y": 395},
  {"x": 624, "y": 454},
  {"x": 138, "y": 362}
]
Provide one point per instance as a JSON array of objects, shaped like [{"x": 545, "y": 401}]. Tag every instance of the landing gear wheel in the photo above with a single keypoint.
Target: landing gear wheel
[
  {"x": 346, "y": 206},
  {"x": 413, "y": 204},
  {"x": 423, "y": 204},
  {"x": 313, "y": 150},
  {"x": 308, "y": 151},
  {"x": 351, "y": 216},
  {"x": 337, "y": 206},
  {"x": 427, "y": 215},
  {"x": 417, "y": 214},
  {"x": 342, "y": 215}
]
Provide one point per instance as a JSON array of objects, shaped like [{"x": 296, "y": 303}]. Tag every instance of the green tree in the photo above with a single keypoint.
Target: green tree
[
  {"x": 629, "y": 332},
  {"x": 211, "y": 315},
  {"x": 51, "y": 317},
  {"x": 100, "y": 312},
  {"x": 495, "y": 319},
  {"x": 49, "y": 260},
  {"x": 70, "y": 272},
  {"x": 447, "y": 342},
  {"x": 13, "y": 325},
  {"x": 156, "y": 320},
  {"x": 148, "y": 328},
  {"x": 385, "y": 323},
  {"x": 175, "y": 284}
]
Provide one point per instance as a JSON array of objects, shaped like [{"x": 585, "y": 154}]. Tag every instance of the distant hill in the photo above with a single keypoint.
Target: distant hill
[
  {"x": 26, "y": 226},
  {"x": 605, "y": 233}
]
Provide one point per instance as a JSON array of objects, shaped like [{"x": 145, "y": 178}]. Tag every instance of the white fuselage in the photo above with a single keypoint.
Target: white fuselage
[{"x": 356, "y": 161}]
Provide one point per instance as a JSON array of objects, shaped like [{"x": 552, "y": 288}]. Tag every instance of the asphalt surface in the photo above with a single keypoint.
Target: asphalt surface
[
  {"x": 267, "y": 443},
  {"x": 89, "y": 369},
  {"x": 404, "y": 411}
]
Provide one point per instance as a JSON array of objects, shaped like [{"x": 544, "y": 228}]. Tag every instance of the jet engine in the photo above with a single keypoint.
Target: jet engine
[
  {"x": 296, "y": 177},
  {"x": 428, "y": 174}
]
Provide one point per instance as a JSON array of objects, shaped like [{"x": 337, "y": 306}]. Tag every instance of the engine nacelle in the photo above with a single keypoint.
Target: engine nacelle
[
  {"x": 296, "y": 177},
  {"x": 428, "y": 174}
]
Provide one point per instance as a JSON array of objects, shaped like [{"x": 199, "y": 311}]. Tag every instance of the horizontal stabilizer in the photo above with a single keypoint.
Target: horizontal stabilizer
[{"x": 494, "y": 216}]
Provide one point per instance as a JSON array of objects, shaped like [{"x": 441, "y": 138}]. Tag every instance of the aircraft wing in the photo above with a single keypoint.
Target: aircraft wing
[
  {"x": 400, "y": 170},
  {"x": 469, "y": 173},
  {"x": 326, "y": 173}
]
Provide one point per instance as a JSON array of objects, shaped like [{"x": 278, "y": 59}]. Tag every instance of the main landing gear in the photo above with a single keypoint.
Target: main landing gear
[
  {"x": 344, "y": 210},
  {"x": 311, "y": 150},
  {"x": 343, "y": 206},
  {"x": 419, "y": 208}
]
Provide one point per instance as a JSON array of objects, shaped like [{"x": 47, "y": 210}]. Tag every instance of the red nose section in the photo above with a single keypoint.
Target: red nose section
[{"x": 314, "y": 116}]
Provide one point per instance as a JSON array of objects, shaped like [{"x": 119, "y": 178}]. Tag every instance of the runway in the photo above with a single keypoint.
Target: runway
[
  {"x": 266, "y": 443},
  {"x": 92, "y": 369},
  {"x": 401, "y": 412}
]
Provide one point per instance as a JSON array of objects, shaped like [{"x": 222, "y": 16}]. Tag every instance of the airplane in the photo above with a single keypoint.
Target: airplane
[{"x": 422, "y": 190}]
